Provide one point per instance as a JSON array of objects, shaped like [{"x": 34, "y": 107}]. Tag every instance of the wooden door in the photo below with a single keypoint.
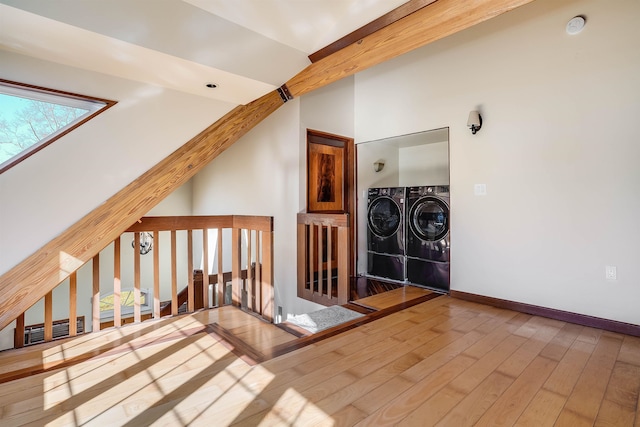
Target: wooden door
[{"x": 331, "y": 180}]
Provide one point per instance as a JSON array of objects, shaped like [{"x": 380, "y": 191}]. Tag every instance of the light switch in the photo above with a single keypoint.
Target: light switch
[{"x": 480, "y": 189}]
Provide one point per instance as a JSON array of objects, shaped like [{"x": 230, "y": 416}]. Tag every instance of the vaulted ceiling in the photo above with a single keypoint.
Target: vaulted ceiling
[{"x": 246, "y": 47}]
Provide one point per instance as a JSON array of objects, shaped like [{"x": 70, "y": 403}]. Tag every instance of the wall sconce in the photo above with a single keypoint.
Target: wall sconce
[
  {"x": 474, "y": 122},
  {"x": 378, "y": 166},
  {"x": 146, "y": 243}
]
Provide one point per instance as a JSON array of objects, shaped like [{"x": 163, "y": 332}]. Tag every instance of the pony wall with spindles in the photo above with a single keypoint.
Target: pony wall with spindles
[{"x": 157, "y": 268}]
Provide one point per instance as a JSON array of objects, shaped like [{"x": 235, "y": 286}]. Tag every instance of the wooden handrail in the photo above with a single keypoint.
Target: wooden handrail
[
  {"x": 323, "y": 247},
  {"x": 251, "y": 275}
]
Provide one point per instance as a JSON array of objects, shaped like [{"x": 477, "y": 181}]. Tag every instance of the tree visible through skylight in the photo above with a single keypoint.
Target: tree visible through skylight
[{"x": 31, "y": 118}]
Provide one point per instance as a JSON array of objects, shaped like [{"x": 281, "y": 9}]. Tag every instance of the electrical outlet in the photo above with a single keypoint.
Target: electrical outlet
[{"x": 610, "y": 272}]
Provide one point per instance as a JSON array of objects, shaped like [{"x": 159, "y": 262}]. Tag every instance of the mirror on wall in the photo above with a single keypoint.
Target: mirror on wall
[{"x": 417, "y": 159}]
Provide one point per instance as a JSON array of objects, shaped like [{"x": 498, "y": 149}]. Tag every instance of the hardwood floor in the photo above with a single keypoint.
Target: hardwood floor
[{"x": 442, "y": 362}]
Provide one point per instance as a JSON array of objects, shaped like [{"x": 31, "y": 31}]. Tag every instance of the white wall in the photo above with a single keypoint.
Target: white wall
[
  {"x": 558, "y": 150},
  {"x": 54, "y": 188}
]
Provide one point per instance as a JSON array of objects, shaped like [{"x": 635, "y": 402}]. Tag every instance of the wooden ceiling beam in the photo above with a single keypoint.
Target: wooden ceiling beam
[
  {"x": 27, "y": 282},
  {"x": 426, "y": 25},
  {"x": 373, "y": 26}
]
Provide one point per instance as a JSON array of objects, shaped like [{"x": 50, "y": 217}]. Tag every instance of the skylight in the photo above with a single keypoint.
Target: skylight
[{"x": 33, "y": 117}]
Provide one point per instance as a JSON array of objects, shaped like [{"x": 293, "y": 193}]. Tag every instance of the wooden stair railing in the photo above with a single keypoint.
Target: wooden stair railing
[
  {"x": 249, "y": 248},
  {"x": 323, "y": 258},
  {"x": 198, "y": 283}
]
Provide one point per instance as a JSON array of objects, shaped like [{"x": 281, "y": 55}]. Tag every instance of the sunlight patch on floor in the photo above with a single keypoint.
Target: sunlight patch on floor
[
  {"x": 223, "y": 398},
  {"x": 295, "y": 409},
  {"x": 131, "y": 382}
]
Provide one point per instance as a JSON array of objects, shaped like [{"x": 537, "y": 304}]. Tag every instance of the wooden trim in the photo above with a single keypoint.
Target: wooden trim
[
  {"x": 327, "y": 333},
  {"x": 34, "y": 149},
  {"x": 247, "y": 222},
  {"x": 167, "y": 223},
  {"x": 426, "y": 25},
  {"x": 332, "y": 220},
  {"x": 373, "y": 26},
  {"x": 552, "y": 313}
]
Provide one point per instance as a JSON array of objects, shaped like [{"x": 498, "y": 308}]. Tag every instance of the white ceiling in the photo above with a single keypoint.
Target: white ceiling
[{"x": 246, "y": 47}]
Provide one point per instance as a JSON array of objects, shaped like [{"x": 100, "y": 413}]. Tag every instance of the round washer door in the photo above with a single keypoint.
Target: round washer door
[
  {"x": 429, "y": 219},
  {"x": 384, "y": 217}
]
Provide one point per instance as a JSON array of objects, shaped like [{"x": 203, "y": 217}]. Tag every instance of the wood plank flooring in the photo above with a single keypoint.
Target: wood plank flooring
[{"x": 443, "y": 362}]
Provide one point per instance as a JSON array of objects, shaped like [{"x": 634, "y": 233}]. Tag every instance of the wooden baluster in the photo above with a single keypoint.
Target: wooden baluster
[
  {"x": 267, "y": 275},
  {"x": 95, "y": 303},
  {"x": 249, "y": 283},
  {"x": 191, "y": 292},
  {"x": 136, "y": 278},
  {"x": 236, "y": 267},
  {"x": 156, "y": 275},
  {"x": 329, "y": 266},
  {"x": 48, "y": 316},
  {"x": 174, "y": 275},
  {"x": 258, "y": 281},
  {"x": 343, "y": 265},
  {"x": 73, "y": 301},
  {"x": 301, "y": 251},
  {"x": 18, "y": 341},
  {"x": 312, "y": 230},
  {"x": 320, "y": 260},
  {"x": 117, "y": 285},
  {"x": 205, "y": 268},
  {"x": 222, "y": 286}
]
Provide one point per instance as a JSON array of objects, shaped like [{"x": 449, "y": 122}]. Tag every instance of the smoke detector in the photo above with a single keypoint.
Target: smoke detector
[{"x": 575, "y": 25}]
